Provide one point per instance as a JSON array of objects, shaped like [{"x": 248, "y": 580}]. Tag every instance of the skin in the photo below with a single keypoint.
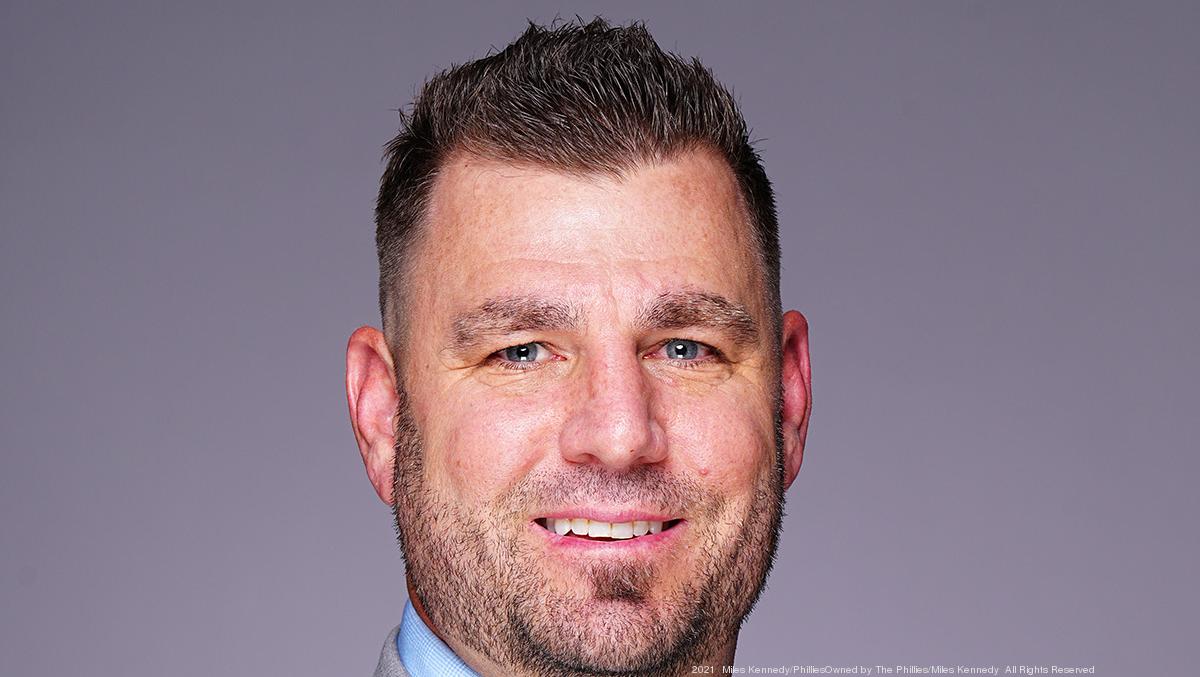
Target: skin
[{"x": 471, "y": 447}]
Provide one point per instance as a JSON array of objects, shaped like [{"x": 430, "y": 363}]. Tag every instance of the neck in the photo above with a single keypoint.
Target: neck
[{"x": 419, "y": 606}]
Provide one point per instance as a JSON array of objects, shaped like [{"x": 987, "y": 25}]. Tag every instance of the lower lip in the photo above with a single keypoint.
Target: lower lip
[{"x": 647, "y": 544}]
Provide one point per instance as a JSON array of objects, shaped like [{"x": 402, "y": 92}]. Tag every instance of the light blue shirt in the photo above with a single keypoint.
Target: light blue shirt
[{"x": 423, "y": 654}]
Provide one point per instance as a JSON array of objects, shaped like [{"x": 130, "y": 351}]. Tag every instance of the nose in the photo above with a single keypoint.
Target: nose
[{"x": 612, "y": 422}]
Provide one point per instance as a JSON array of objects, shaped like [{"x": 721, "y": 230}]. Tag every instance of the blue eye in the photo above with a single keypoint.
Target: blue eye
[
  {"x": 526, "y": 352},
  {"x": 682, "y": 349}
]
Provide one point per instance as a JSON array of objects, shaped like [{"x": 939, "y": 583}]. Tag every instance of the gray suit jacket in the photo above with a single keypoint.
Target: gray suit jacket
[{"x": 389, "y": 658}]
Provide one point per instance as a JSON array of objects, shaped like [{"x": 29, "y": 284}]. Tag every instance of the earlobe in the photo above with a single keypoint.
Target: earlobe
[
  {"x": 371, "y": 396},
  {"x": 796, "y": 375}
]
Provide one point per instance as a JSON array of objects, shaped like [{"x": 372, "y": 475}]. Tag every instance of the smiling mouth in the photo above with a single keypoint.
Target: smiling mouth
[{"x": 594, "y": 530}]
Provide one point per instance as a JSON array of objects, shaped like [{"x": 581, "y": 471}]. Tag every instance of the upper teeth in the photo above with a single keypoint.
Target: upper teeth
[{"x": 596, "y": 528}]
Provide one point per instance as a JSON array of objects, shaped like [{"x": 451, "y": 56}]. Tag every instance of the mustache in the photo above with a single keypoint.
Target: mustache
[{"x": 645, "y": 486}]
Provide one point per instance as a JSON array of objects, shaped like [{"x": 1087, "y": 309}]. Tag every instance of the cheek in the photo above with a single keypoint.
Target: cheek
[
  {"x": 725, "y": 440},
  {"x": 480, "y": 446}
]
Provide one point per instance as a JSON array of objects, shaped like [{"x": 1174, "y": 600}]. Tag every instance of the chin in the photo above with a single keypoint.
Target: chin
[{"x": 607, "y": 634}]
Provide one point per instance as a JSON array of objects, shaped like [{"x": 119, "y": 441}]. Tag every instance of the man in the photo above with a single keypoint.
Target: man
[{"x": 585, "y": 404}]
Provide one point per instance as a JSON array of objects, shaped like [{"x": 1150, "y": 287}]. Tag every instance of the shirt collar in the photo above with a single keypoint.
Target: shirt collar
[{"x": 423, "y": 654}]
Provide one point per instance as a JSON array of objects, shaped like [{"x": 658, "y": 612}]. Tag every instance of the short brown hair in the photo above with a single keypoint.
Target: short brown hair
[{"x": 577, "y": 97}]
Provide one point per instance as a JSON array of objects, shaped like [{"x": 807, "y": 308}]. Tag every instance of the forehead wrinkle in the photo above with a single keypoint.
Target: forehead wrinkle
[
  {"x": 509, "y": 315},
  {"x": 682, "y": 309}
]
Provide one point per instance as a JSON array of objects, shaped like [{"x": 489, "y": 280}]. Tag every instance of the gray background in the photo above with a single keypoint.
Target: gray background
[{"x": 990, "y": 219}]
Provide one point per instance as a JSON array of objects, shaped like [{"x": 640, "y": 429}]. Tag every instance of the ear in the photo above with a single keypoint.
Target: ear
[
  {"x": 371, "y": 394},
  {"x": 797, "y": 393}
]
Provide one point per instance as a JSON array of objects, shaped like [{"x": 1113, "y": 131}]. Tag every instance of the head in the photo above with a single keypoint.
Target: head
[{"x": 585, "y": 405}]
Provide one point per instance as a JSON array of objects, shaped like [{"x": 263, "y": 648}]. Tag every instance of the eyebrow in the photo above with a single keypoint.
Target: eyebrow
[
  {"x": 509, "y": 315},
  {"x": 684, "y": 309},
  {"x": 502, "y": 316}
]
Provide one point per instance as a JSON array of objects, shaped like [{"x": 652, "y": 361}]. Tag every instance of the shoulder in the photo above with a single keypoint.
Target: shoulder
[{"x": 389, "y": 658}]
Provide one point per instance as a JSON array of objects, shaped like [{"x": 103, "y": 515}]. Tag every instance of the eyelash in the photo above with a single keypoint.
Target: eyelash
[
  {"x": 715, "y": 355},
  {"x": 514, "y": 366}
]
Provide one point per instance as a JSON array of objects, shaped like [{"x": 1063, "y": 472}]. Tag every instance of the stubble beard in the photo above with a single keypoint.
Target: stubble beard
[{"x": 480, "y": 583}]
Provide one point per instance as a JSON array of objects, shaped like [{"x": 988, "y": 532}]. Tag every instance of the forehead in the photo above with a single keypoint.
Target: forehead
[{"x": 495, "y": 229}]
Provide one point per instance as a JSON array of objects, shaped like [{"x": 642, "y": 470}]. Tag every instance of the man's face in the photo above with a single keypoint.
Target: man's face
[{"x": 586, "y": 471}]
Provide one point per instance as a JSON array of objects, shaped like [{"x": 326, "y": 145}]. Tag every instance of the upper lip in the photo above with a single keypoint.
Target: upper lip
[{"x": 612, "y": 515}]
